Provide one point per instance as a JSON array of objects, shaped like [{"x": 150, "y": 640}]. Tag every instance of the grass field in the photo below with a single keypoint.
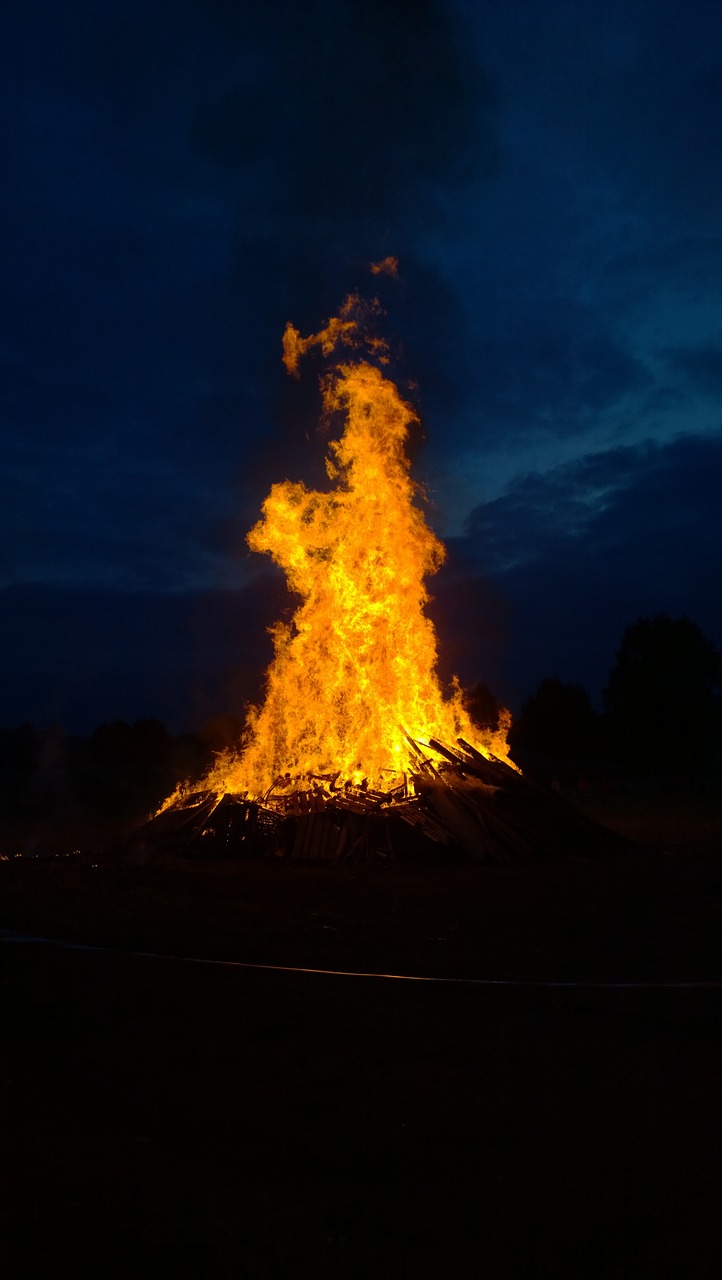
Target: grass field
[{"x": 164, "y": 1117}]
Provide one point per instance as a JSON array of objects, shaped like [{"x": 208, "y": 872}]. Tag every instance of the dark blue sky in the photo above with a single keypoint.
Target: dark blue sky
[{"x": 181, "y": 180}]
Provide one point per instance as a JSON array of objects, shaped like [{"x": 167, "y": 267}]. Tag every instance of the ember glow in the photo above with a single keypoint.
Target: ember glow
[{"x": 354, "y": 676}]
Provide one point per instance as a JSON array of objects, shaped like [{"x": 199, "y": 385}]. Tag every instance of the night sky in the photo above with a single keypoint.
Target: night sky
[{"x": 180, "y": 180}]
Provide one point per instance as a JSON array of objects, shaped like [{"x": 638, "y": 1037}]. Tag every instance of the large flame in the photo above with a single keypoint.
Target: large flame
[{"x": 354, "y": 672}]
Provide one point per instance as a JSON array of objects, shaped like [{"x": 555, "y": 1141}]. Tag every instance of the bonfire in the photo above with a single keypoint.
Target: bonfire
[{"x": 354, "y": 720}]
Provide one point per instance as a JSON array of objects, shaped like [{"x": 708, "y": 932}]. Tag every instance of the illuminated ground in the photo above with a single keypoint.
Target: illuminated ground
[{"x": 167, "y": 1118}]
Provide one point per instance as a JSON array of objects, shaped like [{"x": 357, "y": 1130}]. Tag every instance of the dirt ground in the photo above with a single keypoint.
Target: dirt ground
[{"x": 161, "y": 1116}]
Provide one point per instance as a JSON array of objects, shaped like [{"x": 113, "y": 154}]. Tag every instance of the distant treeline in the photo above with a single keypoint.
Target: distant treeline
[
  {"x": 121, "y": 769},
  {"x": 662, "y": 715}
]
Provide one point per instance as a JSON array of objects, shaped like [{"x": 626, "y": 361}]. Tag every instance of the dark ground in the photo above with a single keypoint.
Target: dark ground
[{"x": 162, "y": 1117}]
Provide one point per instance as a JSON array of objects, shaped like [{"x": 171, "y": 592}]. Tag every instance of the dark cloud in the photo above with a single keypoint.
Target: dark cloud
[
  {"x": 684, "y": 258},
  {"x": 666, "y": 496},
  {"x": 79, "y": 657},
  {"x": 104, "y": 520},
  {"x": 355, "y": 135},
  {"x": 357, "y": 106},
  {"x": 549, "y": 371},
  {"x": 631, "y": 91},
  {"x": 582, "y": 551},
  {"x": 699, "y": 367},
  {"x": 183, "y": 180},
  {"x": 182, "y": 187},
  {"x": 471, "y": 614},
  {"x": 543, "y": 511}
]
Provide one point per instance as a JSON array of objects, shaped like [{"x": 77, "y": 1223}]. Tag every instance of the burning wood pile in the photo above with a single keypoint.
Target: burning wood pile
[
  {"x": 349, "y": 755},
  {"x": 461, "y": 806}
]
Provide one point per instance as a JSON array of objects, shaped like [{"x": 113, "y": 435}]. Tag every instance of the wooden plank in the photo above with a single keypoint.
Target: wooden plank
[
  {"x": 297, "y": 846},
  {"x": 425, "y": 764},
  {"x": 452, "y": 756},
  {"x": 315, "y": 836},
  {"x": 340, "y": 844},
  {"x": 462, "y": 825}
]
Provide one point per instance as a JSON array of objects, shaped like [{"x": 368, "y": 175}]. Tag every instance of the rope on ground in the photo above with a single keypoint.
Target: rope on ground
[{"x": 8, "y": 936}]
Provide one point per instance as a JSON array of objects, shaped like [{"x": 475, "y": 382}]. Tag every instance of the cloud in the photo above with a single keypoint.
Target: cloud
[
  {"x": 559, "y": 365},
  {"x": 83, "y": 656},
  {"x": 182, "y": 189},
  {"x": 632, "y": 93},
  {"x": 699, "y": 367},
  {"x": 665, "y": 495},
  {"x": 353, "y": 102},
  {"x": 580, "y": 552},
  {"x": 346, "y": 139},
  {"x": 115, "y": 518},
  {"x": 543, "y": 373},
  {"x": 686, "y": 258}
]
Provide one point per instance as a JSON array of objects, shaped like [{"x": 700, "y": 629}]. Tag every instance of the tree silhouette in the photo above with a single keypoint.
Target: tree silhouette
[
  {"x": 660, "y": 704},
  {"x": 111, "y": 745},
  {"x": 558, "y": 721},
  {"x": 130, "y": 767}
]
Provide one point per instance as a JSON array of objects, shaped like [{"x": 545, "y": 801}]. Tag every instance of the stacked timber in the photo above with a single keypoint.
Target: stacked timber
[{"x": 455, "y": 804}]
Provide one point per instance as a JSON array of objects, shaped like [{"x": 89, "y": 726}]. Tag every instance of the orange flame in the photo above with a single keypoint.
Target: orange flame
[
  {"x": 344, "y": 328},
  {"x": 387, "y": 267},
  {"x": 354, "y": 671}
]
